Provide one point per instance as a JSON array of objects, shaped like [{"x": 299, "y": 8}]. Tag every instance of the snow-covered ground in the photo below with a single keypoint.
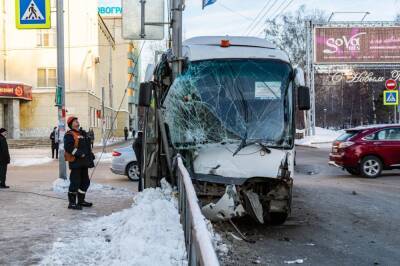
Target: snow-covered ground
[
  {"x": 110, "y": 141},
  {"x": 322, "y": 138},
  {"x": 28, "y": 157},
  {"x": 61, "y": 186},
  {"x": 148, "y": 233}
]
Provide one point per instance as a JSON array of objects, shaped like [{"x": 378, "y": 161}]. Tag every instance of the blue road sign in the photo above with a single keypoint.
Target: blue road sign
[
  {"x": 391, "y": 97},
  {"x": 32, "y": 14}
]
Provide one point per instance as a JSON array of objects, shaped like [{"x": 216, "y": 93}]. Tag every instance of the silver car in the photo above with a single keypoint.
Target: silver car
[{"x": 124, "y": 163}]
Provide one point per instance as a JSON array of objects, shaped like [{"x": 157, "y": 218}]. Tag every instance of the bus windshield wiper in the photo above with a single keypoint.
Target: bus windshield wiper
[{"x": 244, "y": 144}]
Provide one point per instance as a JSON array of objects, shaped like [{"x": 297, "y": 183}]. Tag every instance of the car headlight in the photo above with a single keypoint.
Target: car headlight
[{"x": 345, "y": 144}]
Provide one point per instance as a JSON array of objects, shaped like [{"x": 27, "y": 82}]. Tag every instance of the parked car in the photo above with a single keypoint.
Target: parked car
[
  {"x": 367, "y": 151},
  {"x": 124, "y": 163}
]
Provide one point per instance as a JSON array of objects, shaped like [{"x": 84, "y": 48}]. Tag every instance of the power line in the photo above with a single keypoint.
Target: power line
[
  {"x": 235, "y": 12},
  {"x": 283, "y": 9},
  {"x": 261, "y": 19},
  {"x": 259, "y": 13},
  {"x": 277, "y": 15}
]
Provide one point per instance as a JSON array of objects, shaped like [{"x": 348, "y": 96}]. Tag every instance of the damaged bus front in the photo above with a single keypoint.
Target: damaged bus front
[{"x": 231, "y": 115}]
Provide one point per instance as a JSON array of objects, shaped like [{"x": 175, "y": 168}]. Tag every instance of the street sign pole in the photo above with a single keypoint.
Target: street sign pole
[{"x": 61, "y": 88}]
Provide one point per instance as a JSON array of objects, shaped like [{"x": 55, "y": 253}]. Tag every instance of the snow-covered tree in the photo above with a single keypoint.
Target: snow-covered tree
[{"x": 288, "y": 32}]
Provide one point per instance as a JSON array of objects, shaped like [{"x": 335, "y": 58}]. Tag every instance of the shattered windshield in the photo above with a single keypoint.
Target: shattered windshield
[{"x": 217, "y": 101}]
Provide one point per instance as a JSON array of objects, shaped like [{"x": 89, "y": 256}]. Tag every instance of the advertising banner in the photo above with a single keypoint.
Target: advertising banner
[{"x": 373, "y": 45}]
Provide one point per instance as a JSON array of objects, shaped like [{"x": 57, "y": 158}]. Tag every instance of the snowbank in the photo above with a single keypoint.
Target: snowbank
[
  {"x": 61, "y": 186},
  {"x": 149, "y": 233},
  {"x": 28, "y": 157},
  {"x": 322, "y": 138}
]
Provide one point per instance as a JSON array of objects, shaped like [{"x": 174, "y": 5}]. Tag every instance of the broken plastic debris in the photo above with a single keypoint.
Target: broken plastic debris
[{"x": 298, "y": 261}]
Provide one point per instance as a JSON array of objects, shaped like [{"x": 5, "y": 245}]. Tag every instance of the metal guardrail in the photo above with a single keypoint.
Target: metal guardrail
[{"x": 198, "y": 242}]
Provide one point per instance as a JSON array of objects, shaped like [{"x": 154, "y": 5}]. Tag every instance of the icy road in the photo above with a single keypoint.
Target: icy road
[{"x": 337, "y": 219}]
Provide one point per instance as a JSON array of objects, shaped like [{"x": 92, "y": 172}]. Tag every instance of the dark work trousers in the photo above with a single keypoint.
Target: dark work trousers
[
  {"x": 79, "y": 180},
  {"x": 3, "y": 173},
  {"x": 54, "y": 148}
]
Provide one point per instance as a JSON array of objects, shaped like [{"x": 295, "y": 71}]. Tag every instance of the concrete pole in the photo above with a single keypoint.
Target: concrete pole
[
  {"x": 61, "y": 85},
  {"x": 177, "y": 9}
]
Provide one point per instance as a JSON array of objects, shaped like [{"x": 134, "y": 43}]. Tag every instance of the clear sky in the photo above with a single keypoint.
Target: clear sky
[{"x": 233, "y": 17}]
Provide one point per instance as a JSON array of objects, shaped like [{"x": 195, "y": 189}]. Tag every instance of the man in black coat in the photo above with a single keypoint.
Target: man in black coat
[
  {"x": 79, "y": 154},
  {"x": 54, "y": 142},
  {"x": 138, "y": 149},
  {"x": 4, "y": 157}
]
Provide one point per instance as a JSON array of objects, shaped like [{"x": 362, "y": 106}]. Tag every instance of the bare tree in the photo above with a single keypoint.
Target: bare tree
[{"x": 288, "y": 32}]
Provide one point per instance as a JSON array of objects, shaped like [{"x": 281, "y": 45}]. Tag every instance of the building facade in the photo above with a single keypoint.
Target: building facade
[{"x": 97, "y": 62}]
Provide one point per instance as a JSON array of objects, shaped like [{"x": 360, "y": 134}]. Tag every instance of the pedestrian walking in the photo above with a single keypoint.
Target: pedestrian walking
[
  {"x": 137, "y": 148},
  {"x": 54, "y": 142},
  {"x": 4, "y": 157},
  {"x": 126, "y": 133},
  {"x": 79, "y": 154},
  {"x": 91, "y": 137}
]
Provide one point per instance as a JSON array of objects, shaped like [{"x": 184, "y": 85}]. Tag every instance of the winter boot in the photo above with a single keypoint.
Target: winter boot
[
  {"x": 72, "y": 201},
  {"x": 82, "y": 202},
  {"x": 3, "y": 185}
]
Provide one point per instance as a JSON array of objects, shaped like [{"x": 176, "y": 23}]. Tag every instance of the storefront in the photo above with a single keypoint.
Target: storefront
[{"x": 12, "y": 94}]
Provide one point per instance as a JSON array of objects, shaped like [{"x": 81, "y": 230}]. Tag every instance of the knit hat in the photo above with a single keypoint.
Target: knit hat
[
  {"x": 2, "y": 130},
  {"x": 70, "y": 120}
]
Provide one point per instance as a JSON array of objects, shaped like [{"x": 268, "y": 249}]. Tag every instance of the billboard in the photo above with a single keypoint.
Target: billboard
[
  {"x": 16, "y": 91},
  {"x": 366, "y": 45},
  {"x": 109, "y": 8}
]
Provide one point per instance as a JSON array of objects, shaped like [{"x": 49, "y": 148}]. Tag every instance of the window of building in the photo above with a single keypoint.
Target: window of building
[
  {"x": 46, "y": 78},
  {"x": 47, "y": 38}
]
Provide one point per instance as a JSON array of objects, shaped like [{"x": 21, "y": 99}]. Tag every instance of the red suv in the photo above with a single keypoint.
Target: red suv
[{"x": 367, "y": 150}]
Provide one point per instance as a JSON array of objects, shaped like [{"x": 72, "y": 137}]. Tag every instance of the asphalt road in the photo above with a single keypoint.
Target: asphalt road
[{"x": 337, "y": 219}]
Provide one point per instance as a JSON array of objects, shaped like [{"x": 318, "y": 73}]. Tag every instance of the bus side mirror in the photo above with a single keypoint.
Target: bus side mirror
[
  {"x": 303, "y": 98},
  {"x": 145, "y": 91},
  {"x": 299, "y": 77}
]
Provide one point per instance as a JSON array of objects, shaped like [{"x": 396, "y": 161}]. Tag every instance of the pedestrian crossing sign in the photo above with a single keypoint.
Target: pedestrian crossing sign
[
  {"x": 391, "y": 97},
  {"x": 32, "y": 14}
]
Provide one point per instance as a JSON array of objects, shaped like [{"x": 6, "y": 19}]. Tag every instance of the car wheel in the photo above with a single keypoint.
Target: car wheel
[
  {"x": 371, "y": 166},
  {"x": 132, "y": 171},
  {"x": 353, "y": 171}
]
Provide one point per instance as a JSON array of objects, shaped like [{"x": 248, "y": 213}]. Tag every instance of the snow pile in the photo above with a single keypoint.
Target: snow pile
[
  {"x": 221, "y": 248},
  {"x": 323, "y": 137},
  {"x": 61, "y": 186},
  {"x": 30, "y": 161},
  {"x": 149, "y": 233},
  {"x": 28, "y": 157}
]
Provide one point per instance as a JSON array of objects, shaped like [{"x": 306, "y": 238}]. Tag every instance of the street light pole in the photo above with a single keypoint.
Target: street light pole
[
  {"x": 177, "y": 9},
  {"x": 61, "y": 88}
]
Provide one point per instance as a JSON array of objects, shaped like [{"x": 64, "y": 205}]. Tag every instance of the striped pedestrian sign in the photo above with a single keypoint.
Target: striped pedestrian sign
[
  {"x": 32, "y": 14},
  {"x": 391, "y": 97}
]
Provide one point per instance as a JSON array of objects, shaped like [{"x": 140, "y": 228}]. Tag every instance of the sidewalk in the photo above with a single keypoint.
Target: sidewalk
[{"x": 30, "y": 223}]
